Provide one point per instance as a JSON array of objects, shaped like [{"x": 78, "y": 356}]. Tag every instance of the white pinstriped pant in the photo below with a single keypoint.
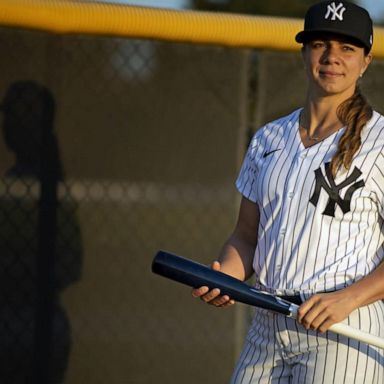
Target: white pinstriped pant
[{"x": 279, "y": 350}]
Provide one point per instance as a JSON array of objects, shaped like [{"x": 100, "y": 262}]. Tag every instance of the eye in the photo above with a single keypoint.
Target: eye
[
  {"x": 317, "y": 44},
  {"x": 348, "y": 48}
]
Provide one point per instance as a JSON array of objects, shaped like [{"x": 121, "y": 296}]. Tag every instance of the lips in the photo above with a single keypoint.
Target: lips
[{"x": 330, "y": 74}]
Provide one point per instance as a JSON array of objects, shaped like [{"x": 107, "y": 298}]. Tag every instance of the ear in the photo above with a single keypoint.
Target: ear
[
  {"x": 367, "y": 62},
  {"x": 303, "y": 51}
]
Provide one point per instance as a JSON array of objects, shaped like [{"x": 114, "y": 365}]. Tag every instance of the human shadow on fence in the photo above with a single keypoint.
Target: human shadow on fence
[{"x": 40, "y": 242}]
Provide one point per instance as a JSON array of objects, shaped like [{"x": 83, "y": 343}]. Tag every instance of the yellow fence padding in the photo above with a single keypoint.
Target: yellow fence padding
[{"x": 98, "y": 18}]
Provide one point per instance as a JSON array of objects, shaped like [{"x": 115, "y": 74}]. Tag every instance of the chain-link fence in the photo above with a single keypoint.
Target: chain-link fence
[{"x": 113, "y": 149}]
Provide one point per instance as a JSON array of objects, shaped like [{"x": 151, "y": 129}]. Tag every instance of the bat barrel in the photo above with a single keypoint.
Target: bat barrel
[{"x": 196, "y": 275}]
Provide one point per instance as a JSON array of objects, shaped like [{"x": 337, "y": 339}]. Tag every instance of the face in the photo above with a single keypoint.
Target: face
[{"x": 334, "y": 65}]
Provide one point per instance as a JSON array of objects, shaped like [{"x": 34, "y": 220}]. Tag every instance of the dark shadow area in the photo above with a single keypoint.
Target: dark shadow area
[{"x": 40, "y": 242}]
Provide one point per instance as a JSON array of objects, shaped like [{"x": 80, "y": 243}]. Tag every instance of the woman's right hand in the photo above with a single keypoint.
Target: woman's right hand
[{"x": 213, "y": 296}]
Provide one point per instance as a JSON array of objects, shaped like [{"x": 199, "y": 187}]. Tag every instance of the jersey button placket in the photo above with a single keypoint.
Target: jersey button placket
[
  {"x": 299, "y": 157},
  {"x": 303, "y": 155}
]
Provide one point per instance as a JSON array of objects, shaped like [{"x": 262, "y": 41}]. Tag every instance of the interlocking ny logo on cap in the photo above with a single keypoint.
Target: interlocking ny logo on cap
[{"x": 335, "y": 12}]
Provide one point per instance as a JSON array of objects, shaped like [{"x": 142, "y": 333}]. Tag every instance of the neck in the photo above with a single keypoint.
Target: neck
[
  {"x": 319, "y": 116},
  {"x": 315, "y": 115},
  {"x": 317, "y": 122}
]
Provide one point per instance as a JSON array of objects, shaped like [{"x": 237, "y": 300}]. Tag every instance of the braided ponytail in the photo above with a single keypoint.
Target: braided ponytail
[{"x": 354, "y": 113}]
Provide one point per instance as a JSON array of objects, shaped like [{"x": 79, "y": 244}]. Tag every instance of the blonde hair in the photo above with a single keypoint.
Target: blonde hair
[{"x": 354, "y": 113}]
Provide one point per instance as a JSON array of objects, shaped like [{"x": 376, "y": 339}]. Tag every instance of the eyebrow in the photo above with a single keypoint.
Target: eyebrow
[{"x": 338, "y": 39}]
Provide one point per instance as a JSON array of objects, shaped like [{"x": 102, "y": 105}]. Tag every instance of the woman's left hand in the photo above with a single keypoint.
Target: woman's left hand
[{"x": 322, "y": 310}]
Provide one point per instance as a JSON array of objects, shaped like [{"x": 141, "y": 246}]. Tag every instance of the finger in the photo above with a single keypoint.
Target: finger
[
  {"x": 211, "y": 295},
  {"x": 306, "y": 307},
  {"x": 330, "y": 319},
  {"x": 216, "y": 266},
  {"x": 307, "y": 319},
  {"x": 224, "y": 305},
  {"x": 326, "y": 325},
  {"x": 198, "y": 292},
  {"x": 221, "y": 301},
  {"x": 228, "y": 303},
  {"x": 316, "y": 322},
  {"x": 303, "y": 311}
]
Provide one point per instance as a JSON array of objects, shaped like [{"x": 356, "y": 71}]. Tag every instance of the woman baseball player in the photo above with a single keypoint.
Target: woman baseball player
[{"x": 310, "y": 224}]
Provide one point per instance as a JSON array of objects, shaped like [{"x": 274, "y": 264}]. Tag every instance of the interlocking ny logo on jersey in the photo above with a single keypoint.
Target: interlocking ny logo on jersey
[
  {"x": 333, "y": 190},
  {"x": 335, "y": 12}
]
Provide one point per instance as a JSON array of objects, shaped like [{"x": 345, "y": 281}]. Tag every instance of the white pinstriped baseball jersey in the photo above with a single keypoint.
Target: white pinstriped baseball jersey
[{"x": 316, "y": 233}]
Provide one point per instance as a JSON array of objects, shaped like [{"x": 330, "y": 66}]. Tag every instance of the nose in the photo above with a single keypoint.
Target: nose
[{"x": 330, "y": 55}]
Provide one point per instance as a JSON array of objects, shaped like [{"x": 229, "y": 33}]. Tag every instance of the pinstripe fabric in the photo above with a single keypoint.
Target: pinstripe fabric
[
  {"x": 300, "y": 249},
  {"x": 278, "y": 350},
  {"x": 315, "y": 234}
]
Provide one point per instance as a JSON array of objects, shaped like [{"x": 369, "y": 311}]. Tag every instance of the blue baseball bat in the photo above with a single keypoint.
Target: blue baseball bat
[{"x": 196, "y": 275}]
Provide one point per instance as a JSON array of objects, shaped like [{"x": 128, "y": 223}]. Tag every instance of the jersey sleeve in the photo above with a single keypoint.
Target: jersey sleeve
[
  {"x": 246, "y": 181},
  {"x": 378, "y": 182}
]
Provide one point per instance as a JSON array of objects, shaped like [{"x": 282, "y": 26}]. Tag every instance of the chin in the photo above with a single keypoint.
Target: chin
[{"x": 335, "y": 89}]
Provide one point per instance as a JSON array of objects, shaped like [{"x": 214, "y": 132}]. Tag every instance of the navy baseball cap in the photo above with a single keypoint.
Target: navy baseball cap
[{"x": 338, "y": 17}]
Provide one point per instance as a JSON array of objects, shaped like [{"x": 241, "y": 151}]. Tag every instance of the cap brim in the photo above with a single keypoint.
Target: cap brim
[
  {"x": 305, "y": 36},
  {"x": 300, "y": 37}
]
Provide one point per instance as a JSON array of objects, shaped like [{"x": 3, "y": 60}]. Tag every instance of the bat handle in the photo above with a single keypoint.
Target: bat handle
[
  {"x": 346, "y": 330},
  {"x": 293, "y": 308}
]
